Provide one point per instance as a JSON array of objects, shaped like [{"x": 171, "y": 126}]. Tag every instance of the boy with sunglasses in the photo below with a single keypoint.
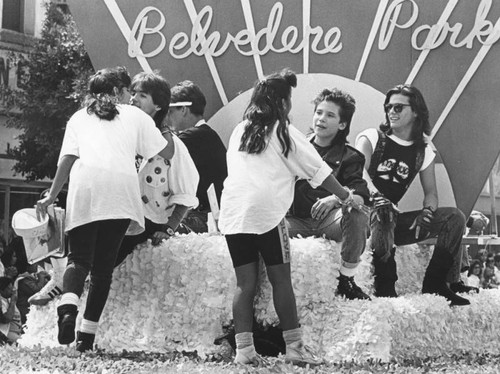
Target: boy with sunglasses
[{"x": 395, "y": 154}]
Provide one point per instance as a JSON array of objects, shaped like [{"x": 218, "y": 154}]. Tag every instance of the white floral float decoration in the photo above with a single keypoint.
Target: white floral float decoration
[{"x": 178, "y": 297}]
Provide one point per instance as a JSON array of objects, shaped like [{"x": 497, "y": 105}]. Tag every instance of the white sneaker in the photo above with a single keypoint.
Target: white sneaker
[
  {"x": 299, "y": 354},
  {"x": 52, "y": 289},
  {"x": 248, "y": 356}
]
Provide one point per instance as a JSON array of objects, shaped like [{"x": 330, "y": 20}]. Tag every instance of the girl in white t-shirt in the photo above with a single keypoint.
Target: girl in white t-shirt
[
  {"x": 98, "y": 153},
  {"x": 265, "y": 157}
]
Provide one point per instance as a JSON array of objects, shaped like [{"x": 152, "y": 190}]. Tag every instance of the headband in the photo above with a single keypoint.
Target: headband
[{"x": 181, "y": 103}]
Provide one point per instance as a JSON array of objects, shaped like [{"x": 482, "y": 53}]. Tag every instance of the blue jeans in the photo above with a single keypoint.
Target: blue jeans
[
  {"x": 448, "y": 225},
  {"x": 350, "y": 228},
  {"x": 93, "y": 248}
]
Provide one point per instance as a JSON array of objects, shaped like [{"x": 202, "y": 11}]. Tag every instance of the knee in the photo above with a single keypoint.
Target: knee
[
  {"x": 457, "y": 218},
  {"x": 247, "y": 288},
  {"x": 357, "y": 219},
  {"x": 279, "y": 283}
]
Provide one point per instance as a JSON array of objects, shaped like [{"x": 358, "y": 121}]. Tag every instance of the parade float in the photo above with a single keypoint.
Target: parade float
[{"x": 177, "y": 296}]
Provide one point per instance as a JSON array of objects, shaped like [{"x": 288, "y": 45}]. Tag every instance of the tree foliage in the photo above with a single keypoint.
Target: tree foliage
[{"x": 54, "y": 75}]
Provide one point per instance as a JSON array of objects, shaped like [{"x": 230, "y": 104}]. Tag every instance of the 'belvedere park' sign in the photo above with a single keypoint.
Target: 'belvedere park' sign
[{"x": 447, "y": 48}]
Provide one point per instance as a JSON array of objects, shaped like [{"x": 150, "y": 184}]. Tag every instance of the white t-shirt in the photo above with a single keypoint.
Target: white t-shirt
[
  {"x": 167, "y": 183},
  {"x": 103, "y": 182},
  {"x": 372, "y": 135},
  {"x": 259, "y": 188},
  {"x": 473, "y": 281}
]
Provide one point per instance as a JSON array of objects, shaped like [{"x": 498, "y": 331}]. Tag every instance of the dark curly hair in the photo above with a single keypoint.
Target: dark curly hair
[
  {"x": 101, "y": 100},
  {"x": 268, "y": 106},
  {"x": 347, "y": 107}
]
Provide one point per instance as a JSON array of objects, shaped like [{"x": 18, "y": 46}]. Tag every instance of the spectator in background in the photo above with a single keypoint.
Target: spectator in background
[
  {"x": 474, "y": 275},
  {"x": 482, "y": 256},
  {"x": 28, "y": 284},
  {"x": 496, "y": 259},
  {"x": 9, "y": 260},
  {"x": 476, "y": 224},
  {"x": 10, "y": 318},
  {"x": 185, "y": 117},
  {"x": 2, "y": 251},
  {"x": 16, "y": 245},
  {"x": 489, "y": 280}
]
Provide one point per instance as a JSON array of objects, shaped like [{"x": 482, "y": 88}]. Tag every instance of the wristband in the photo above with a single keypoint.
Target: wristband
[{"x": 349, "y": 198}]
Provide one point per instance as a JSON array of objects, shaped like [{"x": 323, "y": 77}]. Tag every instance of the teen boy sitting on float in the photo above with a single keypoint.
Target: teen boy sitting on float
[
  {"x": 316, "y": 211},
  {"x": 395, "y": 154},
  {"x": 168, "y": 188}
]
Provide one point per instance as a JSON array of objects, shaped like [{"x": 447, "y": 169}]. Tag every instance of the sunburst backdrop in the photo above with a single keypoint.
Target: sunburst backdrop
[{"x": 447, "y": 48}]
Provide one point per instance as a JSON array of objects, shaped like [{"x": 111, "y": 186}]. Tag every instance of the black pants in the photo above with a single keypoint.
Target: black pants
[
  {"x": 129, "y": 242},
  {"x": 93, "y": 248}
]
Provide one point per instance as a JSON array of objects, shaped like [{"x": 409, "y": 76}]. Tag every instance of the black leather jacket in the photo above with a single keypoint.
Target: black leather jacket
[{"x": 347, "y": 164}]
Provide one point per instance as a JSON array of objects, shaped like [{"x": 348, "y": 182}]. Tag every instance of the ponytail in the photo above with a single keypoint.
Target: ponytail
[{"x": 103, "y": 106}]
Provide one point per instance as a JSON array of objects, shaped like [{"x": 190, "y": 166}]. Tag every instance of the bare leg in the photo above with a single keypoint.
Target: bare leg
[
  {"x": 246, "y": 281},
  {"x": 283, "y": 295}
]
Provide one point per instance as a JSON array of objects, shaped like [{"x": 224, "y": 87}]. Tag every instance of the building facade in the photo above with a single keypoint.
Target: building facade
[{"x": 20, "y": 24}]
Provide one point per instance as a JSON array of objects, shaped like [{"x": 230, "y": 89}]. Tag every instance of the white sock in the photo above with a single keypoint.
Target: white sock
[
  {"x": 243, "y": 340},
  {"x": 292, "y": 336},
  {"x": 69, "y": 298},
  {"x": 348, "y": 272},
  {"x": 89, "y": 327}
]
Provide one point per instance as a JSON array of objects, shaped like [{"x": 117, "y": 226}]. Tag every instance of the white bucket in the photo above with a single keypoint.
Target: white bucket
[{"x": 25, "y": 223}]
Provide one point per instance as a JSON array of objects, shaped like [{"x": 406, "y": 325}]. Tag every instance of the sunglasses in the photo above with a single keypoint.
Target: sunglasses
[{"x": 398, "y": 108}]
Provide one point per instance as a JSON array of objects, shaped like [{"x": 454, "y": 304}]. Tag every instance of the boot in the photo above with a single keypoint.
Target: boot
[
  {"x": 349, "y": 289},
  {"x": 435, "y": 277},
  {"x": 84, "y": 341},
  {"x": 55, "y": 285},
  {"x": 385, "y": 274},
  {"x": 66, "y": 323}
]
